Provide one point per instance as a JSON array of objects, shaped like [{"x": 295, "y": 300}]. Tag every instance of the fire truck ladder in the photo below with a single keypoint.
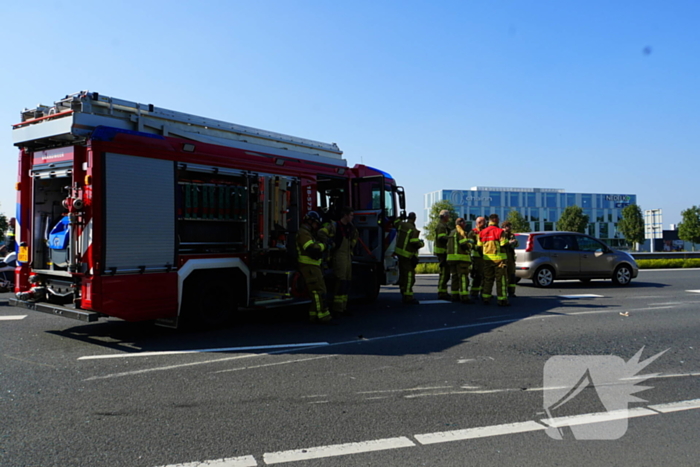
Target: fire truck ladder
[{"x": 77, "y": 115}]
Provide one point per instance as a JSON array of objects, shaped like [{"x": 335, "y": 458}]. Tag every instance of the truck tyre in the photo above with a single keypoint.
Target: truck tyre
[{"x": 210, "y": 300}]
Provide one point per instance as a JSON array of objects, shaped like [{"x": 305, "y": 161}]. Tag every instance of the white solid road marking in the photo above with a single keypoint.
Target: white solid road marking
[
  {"x": 276, "y": 363},
  {"x": 245, "y": 461},
  {"x": 480, "y": 432},
  {"x": 12, "y": 318},
  {"x": 693, "y": 291},
  {"x": 403, "y": 390},
  {"x": 587, "y": 419},
  {"x": 677, "y": 406},
  {"x": 337, "y": 450},
  {"x": 181, "y": 352},
  {"x": 581, "y": 296}
]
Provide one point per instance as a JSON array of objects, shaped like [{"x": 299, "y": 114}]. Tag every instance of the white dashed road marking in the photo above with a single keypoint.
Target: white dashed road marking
[
  {"x": 12, "y": 318},
  {"x": 480, "y": 432},
  {"x": 320, "y": 452},
  {"x": 245, "y": 461},
  {"x": 337, "y": 450}
]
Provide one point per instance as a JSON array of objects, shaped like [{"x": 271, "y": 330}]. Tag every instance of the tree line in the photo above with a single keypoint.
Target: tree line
[{"x": 573, "y": 219}]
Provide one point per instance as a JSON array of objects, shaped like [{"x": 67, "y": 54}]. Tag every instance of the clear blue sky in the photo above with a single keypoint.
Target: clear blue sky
[{"x": 588, "y": 96}]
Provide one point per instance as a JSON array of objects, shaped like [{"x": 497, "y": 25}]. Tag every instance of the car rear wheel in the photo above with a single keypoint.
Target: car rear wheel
[
  {"x": 622, "y": 275},
  {"x": 544, "y": 277}
]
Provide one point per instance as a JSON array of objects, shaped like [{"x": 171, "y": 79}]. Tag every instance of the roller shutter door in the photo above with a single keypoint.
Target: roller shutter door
[{"x": 139, "y": 213}]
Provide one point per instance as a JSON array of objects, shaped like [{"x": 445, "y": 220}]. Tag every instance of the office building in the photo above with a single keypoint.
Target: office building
[{"x": 541, "y": 207}]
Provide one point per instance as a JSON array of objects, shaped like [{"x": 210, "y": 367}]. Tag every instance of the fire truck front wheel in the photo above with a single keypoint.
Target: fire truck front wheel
[{"x": 209, "y": 299}]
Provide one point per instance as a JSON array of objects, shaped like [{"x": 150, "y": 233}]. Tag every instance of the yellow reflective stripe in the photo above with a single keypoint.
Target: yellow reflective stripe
[
  {"x": 307, "y": 260},
  {"x": 496, "y": 257},
  {"x": 402, "y": 252},
  {"x": 440, "y": 249},
  {"x": 459, "y": 257},
  {"x": 306, "y": 245}
]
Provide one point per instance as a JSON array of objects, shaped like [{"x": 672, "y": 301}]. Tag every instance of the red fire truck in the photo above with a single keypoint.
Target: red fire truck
[{"x": 143, "y": 213}]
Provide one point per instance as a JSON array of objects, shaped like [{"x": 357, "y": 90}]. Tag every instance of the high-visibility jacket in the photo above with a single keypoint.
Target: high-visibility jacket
[
  {"x": 476, "y": 251},
  {"x": 343, "y": 237},
  {"x": 441, "y": 234},
  {"x": 492, "y": 242},
  {"x": 408, "y": 240},
  {"x": 310, "y": 250},
  {"x": 510, "y": 247},
  {"x": 458, "y": 246}
]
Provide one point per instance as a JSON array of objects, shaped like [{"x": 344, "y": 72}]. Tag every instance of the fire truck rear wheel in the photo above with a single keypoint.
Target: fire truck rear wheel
[{"x": 210, "y": 302}]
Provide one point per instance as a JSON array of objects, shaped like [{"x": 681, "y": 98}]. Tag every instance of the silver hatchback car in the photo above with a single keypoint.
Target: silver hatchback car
[{"x": 545, "y": 256}]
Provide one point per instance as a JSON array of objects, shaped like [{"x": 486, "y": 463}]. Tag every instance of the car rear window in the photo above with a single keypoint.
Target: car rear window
[{"x": 522, "y": 241}]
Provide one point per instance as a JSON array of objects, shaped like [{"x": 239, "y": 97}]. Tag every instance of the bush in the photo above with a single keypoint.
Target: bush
[
  {"x": 668, "y": 263},
  {"x": 428, "y": 268}
]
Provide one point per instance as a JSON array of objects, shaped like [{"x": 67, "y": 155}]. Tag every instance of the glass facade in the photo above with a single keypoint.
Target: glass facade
[{"x": 541, "y": 207}]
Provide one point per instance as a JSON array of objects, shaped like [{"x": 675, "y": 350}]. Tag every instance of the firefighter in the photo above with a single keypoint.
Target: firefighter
[
  {"x": 342, "y": 237},
  {"x": 459, "y": 245},
  {"x": 493, "y": 241},
  {"x": 442, "y": 231},
  {"x": 310, "y": 252},
  {"x": 510, "y": 247},
  {"x": 408, "y": 243},
  {"x": 477, "y": 259},
  {"x": 10, "y": 242}
]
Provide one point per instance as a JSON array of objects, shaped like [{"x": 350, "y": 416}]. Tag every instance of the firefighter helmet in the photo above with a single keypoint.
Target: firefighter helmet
[{"x": 312, "y": 216}]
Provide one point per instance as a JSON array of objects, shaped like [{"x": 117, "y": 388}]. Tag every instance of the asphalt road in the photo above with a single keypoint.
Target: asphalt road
[{"x": 436, "y": 384}]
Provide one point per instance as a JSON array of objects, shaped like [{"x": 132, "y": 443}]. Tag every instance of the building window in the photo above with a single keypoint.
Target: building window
[
  {"x": 514, "y": 199},
  {"x": 604, "y": 233},
  {"x": 531, "y": 200},
  {"x": 586, "y": 201},
  {"x": 474, "y": 212},
  {"x": 549, "y": 226},
  {"x": 550, "y": 200}
]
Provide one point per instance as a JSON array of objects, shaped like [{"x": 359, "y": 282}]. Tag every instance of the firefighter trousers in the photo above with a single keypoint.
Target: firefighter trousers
[
  {"x": 342, "y": 277},
  {"x": 460, "y": 280},
  {"x": 444, "y": 277},
  {"x": 511, "y": 277},
  {"x": 317, "y": 292},
  {"x": 495, "y": 271},
  {"x": 407, "y": 277},
  {"x": 477, "y": 274}
]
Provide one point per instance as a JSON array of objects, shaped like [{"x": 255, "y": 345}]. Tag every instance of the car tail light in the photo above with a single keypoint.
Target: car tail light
[{"x": 530, "y": 243}]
